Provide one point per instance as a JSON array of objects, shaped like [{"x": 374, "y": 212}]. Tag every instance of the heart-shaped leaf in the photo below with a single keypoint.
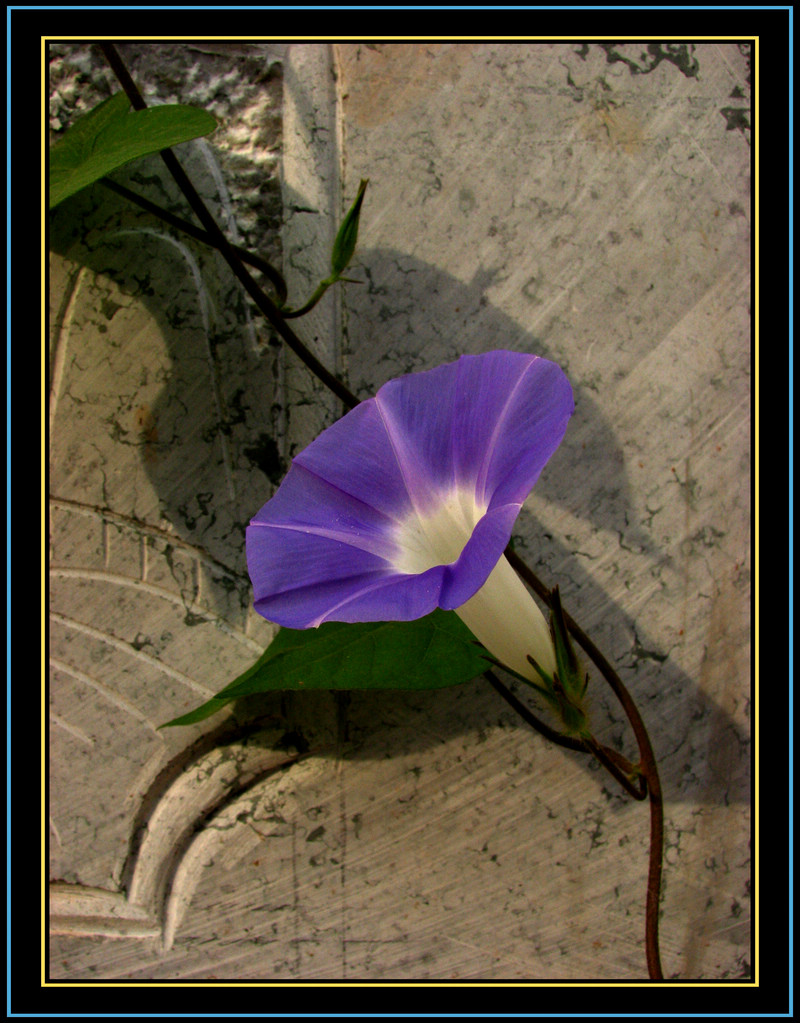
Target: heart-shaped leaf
[
  {"x": 430, "y": 653},
  {"x": 112, "y": 135}
]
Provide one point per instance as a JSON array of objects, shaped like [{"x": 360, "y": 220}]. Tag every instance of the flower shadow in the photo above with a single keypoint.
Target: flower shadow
[
  {"x": 584, "y": 513},
  {"x": 208, "y": 441}
]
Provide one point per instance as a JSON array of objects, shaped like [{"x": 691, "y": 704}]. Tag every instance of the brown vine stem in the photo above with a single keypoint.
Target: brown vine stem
[{"x": 647, "y": 767}]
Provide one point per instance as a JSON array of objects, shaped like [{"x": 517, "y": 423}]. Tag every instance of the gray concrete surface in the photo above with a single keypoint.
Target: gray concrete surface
[{"x": 590, "y": 203}]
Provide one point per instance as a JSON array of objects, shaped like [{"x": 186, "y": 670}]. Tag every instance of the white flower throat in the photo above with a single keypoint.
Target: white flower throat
[
  {"x": 502, "y": 614},
  {"x": 439, "y": 537}
]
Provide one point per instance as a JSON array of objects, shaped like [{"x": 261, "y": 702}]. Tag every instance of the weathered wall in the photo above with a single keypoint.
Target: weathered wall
[{"x": 587, "y": 203}]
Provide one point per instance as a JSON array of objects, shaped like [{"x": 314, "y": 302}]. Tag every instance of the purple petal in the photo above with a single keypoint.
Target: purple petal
[
  {"x": 309, "y": 579},
  {"x": 488, "y": 541},
  {"x": 329, "y": 545},
  {"x": 356, "y": 456}
]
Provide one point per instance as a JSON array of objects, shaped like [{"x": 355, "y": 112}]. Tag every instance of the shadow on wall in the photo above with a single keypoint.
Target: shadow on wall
[
  {"x": 210, "y": 445},
  {"x": 208, "y": 438},
  {"x": 409, "y": 316}
]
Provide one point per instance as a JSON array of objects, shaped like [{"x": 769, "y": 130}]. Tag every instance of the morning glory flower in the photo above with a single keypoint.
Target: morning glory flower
[{"x": 407, "y": 503}]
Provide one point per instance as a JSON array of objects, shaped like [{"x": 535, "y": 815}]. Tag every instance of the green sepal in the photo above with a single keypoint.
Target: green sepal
[
  {"x": 573, "y": 718},
  {"x": 343, "y": 248},
  {"x": 346, "y": 237},
  {"x": 567, "y": 685},
  {"x": 567, "y": 665},
  {"x": 541, "y": 690}
]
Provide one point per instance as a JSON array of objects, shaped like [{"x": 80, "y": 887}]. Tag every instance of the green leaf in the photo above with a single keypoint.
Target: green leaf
[
  {"x": 344, "y": 244},
  {"x": 429, "y": 653},
  {"x": 111, "y": 135}
]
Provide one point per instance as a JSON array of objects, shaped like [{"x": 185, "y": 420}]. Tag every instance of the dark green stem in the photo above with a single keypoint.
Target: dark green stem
[
  {"x": 197, "y": 232},
  {"x": 263, "y": 303},
  {"x": 293, "y": 314}
]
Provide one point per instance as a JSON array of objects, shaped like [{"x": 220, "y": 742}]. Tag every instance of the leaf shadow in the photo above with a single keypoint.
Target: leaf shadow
[{"x": 200, "y": 415}]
